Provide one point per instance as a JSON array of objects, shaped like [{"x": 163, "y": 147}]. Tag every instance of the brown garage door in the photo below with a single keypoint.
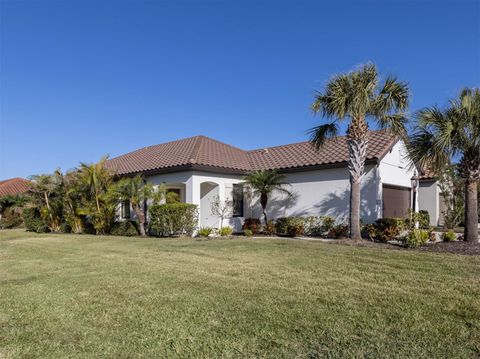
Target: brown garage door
[{"x": 396, "y": 201}]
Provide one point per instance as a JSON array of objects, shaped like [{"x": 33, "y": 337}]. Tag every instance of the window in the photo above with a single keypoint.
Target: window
[
  {"x": 238, "y": 200},
  {"x": 125, "y": 209}
]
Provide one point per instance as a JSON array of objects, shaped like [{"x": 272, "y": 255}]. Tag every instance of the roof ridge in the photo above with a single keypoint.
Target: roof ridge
[{"x": 196, "y": 149}]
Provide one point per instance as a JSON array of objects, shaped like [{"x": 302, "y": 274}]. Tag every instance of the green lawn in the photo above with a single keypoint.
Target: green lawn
[{"x": 113, "y": 297}]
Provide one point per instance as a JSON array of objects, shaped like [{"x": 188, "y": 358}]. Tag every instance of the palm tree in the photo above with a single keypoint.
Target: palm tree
[
  {"x": 46, "y": 193},
  {"x": 100, "y": 203},
  {"x": 451, "y": 134},
  {"x": 359, "y": 98},
  {"x": 135, "y": 190},
  {"x": 263, "y": 183}
]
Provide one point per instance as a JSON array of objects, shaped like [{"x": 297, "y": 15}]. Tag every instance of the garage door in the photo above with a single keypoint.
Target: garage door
[{"x": 396, "y": 201}]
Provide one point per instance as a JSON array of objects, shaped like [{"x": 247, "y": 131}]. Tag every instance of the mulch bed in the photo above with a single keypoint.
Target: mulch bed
[{"x": 458, "y": 247}]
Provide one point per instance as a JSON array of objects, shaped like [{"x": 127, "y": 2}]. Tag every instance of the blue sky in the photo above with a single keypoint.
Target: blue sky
[{"x": 80, "y": 79}]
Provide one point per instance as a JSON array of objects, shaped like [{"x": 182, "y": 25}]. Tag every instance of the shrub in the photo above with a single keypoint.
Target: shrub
[
  {"x": 252, "y": 224},
  {"x": 370, "y": 231},
  {"x": 226, "y": 231},
  {"x": 125, "y": 228},
  {"x": 248, "y": 232},
  {"x": 269, "y": 228},
  {"x": 33, "y": 221},
  {"x": 173, "y": 219},
  {"x": 205, "y": 231},
  {"x": 290, "y": 226},
  {"x": 449, "y": 236},
  {"x": 416, "y": 238},
  {"x": 387, "y": 229},
  {"x": 339, "y": 231},
  {"x": 421, "y": 217},
  {"x": 10, "y": 219}
]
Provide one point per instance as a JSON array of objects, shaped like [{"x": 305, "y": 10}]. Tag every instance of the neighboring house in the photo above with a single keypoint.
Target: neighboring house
[
  {"x": 200, "y": 168},
  {"x": 14, "y": 186}
]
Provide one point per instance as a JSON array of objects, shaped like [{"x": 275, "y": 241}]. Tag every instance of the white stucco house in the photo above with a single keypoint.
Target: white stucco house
[{"x": 200, "y": 168}]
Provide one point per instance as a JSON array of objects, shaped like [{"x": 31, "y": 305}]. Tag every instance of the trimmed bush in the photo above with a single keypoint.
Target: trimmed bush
[
  {"x": 416, "y": 238},
  {"x": 290, "y": 226},
  {"x": 225, "y": 231},
  {"x": 125, "y": 228},
  {"x": 269, "y": 228},
  {"x": 387, "y": 229},
  {"x": 252, "y": 224},
  {"x": 173, "y": 219},
  {"x": 339, "y": 231},
  {"x": 318, "y": 225},
  {"x": 449, "y": 236},
  {"x": 10, "y": 219},
  {"x": 33, "y": 221},
  {"x": 248, "y": 233},
  {"x": 205, "y": 231}
]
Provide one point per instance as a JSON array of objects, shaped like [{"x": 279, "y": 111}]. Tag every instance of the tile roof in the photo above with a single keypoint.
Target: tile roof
[
  {"x": 14, "y": 186},
  {"x": 201, "y": 151}
]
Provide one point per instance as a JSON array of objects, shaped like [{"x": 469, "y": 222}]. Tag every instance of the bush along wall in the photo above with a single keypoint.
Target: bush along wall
[{"x": 174, "y": 219}]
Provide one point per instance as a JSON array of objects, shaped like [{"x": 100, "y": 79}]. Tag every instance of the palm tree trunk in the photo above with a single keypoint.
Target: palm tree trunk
[
  {"x": 471, "y": 211},
  {"x": 356, "y": 162},
  {"x": 141, "y": 219},
  {"x": 263, "y": 203}
]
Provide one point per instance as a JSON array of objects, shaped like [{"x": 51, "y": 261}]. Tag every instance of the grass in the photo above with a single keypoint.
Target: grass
[{"x": 97, "y": 297}]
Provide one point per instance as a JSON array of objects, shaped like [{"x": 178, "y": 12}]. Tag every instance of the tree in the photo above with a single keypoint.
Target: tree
[
  {"x": 453, "y": 134},
  {"x": 358, "y": 98},
  {"x": 453, "y": 195},
  {"x": 137, "y": 192},
  {"x": 99, "y": 199},
  {"x": 73, "y": 198},
  {"x": 221, "y": 209},
  {"x": 263, "y": 183},
  {"x": 46, "y": 194}
]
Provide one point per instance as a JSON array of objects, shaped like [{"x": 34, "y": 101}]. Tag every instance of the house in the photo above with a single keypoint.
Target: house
[
  {"x": 14, "y": 186},
  {"x": 200, "y": 168}
]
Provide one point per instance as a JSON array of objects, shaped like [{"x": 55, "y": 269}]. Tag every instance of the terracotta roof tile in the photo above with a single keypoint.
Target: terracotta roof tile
[
  {"x": 14, "y": 186},
  {"x": 204, "y": 151},
  {"x": 305, "y": 154}
]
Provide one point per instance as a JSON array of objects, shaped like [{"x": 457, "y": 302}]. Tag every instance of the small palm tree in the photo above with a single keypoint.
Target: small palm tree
[
  {"x": 442, "y": 136},
  {"x": 135, "y": 190},
  {"x": 359, "y": 98},
  {"x": 263, "y": 183}
]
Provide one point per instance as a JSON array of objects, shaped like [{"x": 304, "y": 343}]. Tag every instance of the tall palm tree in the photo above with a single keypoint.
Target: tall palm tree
[
  {"x": 452, "y": 134},
  {"x": 137, "y": 192},
  {"x": 359, "y": 98},
  {"x": 263, "y": 183}
]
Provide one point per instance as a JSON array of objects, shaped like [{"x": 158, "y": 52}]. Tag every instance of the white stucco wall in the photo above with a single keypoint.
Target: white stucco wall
[
  {"x": 322, "y": 192},
  {"x": 429, "y": 200}
]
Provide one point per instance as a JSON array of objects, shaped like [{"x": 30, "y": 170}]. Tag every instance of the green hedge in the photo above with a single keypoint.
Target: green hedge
[
  {"x": 125, "y": 228},
  {"x": 173, "y": 219},
  {"x": 33, "y": 221},
  {"x": 290, "y": 226}
]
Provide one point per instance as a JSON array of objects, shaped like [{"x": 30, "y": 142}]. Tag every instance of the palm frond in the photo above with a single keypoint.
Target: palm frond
[{"x": 319, "y": 134}]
